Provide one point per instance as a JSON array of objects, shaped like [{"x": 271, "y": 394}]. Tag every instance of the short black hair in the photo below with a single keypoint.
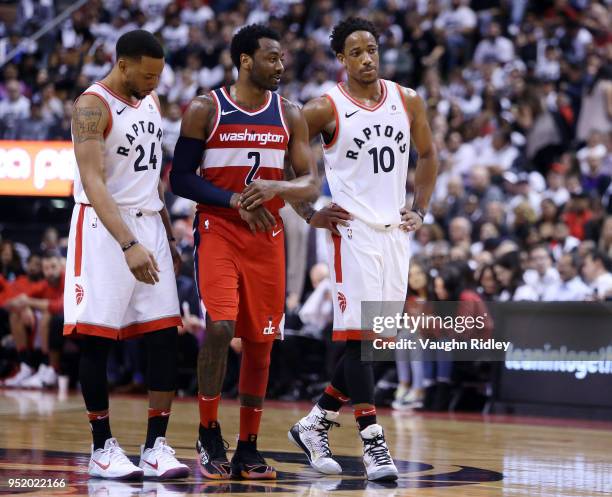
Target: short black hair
[
  {"x": 247, "y": 40},
  {"x": 347, "y": 27},
  {"x": 139, "y": 43}
]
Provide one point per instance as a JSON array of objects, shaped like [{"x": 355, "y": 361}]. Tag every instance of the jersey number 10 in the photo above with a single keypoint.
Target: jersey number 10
[{"x": 385, "y": 159}]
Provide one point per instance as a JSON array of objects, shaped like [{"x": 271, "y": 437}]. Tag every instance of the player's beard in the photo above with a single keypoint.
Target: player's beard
[
  {"x": 135, "y": 93},
  {"x": 262, "y": 82}
]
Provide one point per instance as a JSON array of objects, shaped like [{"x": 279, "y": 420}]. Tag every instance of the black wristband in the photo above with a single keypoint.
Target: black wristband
[
  {"x": 420, "y": 212},
  {"x": 129, "y": 245},
  {"x": 309, "y": 216},
  {"x": 171, "y": 239}
]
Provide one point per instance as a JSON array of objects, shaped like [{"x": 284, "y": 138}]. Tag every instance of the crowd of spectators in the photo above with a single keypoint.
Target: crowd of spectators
[{"x": 519, "y": 97}]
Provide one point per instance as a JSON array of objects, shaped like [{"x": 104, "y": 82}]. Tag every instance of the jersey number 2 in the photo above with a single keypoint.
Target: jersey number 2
[
  {"x": 141, "y": 154},
  {"x": 385, "y": 159},
  {"x": 251, "y": 176}
]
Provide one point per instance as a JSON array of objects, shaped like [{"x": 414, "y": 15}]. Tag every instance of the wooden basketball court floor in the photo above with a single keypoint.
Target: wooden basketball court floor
[{"x": 45, "y": 439}]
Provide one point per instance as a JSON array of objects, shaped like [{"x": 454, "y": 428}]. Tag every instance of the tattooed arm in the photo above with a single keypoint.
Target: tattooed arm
[{"x": 89, "y": 120}]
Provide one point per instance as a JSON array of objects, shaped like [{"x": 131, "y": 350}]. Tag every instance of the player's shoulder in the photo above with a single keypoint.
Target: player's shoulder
[
  {"x": 91, "y": 111},
  {"x": 413, "y": 101},
  {"x": 90, "y": 99},
  {"x": 289, "y": 106},
  {"x": 322, "y": 105},
  {"x": 407, "y": 92},
  {"x": 202, "y": 105}
]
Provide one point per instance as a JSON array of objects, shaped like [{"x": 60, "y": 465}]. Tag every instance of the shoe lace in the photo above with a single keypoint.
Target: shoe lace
[
  {"x": 165, "y": 451},
  {"x": 321, "y": 428},
  {"x": 216, "y": 445},
  {"x": 117, "y": 454},
  {"x": 376, "y": 448}
]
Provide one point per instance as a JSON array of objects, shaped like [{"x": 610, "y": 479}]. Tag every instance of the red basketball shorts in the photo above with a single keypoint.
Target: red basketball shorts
[{"x": 241, "y": 275}]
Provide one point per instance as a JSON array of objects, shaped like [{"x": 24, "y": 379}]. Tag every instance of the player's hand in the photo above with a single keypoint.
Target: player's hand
[
  {"x": 142, "y": 264},
  {"x": 258, "y": 219},
  {"x": 258, "y": 192},
  {"x": 411, "y": 221},
  {"x": 329, "y": 217}
]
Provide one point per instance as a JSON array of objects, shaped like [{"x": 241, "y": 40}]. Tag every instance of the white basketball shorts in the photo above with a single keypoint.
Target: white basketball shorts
[
  {"x": 102, "y": 297},
  {"x": 366, "y": 265}
]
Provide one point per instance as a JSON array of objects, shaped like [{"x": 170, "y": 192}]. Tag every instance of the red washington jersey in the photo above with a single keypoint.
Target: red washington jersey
[{"x": 243, "y": 146}]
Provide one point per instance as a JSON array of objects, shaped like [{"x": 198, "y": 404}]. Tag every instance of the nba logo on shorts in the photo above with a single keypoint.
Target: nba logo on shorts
[
  {"x": 79, "y": 292},
  {"x": 342, "y": 301},
  {"x": 206, "y": 223},
  {"x": 269, "y": 330}
]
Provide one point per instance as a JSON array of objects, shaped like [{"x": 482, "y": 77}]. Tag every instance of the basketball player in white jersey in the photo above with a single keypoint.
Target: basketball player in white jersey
[
  {"x": 367, "y": 125},
  {"x": 120, "y": 280}
]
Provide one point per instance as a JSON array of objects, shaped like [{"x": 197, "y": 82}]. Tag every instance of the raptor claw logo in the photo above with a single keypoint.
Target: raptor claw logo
[
  {"x": 342, "y": 301},
  {"x": 78, "y": 290}
]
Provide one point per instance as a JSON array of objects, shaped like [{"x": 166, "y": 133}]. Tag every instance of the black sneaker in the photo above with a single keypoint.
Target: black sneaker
[
  {"x": 211, "y": 449},
  {"x": 249, "y": 464}
]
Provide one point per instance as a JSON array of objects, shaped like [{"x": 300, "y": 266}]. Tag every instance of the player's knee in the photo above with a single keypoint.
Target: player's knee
[
  {"x": 219, "y": 333},
  {"x": 95, "y": 349},
  {"x": 256, "y": 355},
  {"x": 166, "y": 339},
  {"x": 357, "y": 352},
  {"x": 162, "y": 359}
]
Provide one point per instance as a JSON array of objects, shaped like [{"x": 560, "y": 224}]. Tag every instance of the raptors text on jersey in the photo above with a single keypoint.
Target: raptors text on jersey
[
  {"x": 366, "y": 162},
  {"x": 132, "y": 151}
]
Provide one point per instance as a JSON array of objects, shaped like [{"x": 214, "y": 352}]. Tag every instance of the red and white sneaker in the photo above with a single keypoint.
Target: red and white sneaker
[
  {"x": 111, "y": 462},
  {"x": 159, "y": 462}
]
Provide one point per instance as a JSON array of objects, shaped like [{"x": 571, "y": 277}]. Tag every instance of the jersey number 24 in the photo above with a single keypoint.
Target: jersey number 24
[{"x": 141, "y": 154}]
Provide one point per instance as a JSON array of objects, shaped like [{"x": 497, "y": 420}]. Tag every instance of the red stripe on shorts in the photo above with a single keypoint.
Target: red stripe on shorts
[
  {"x": 78, "y": 249},
  {"x": 337, "y": 257}
]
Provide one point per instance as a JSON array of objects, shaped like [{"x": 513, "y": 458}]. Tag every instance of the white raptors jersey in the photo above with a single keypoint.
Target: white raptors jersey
[
  {"x": 366, "y": 163},
  {"x": 132, "y": 151}
]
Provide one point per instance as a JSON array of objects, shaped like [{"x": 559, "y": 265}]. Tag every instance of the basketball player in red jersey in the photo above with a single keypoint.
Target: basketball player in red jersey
[
  {"x": 367, "y": 125},
  {"x": 238, "y": 137}
]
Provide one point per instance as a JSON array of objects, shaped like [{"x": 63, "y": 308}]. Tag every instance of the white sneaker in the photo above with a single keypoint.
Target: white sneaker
[
  {"x": 49, "y": 377},
  {"x": 311, "y": 435},
  {"x": 400, "y": 392},
  {"x": 36, "y": 380},
  {"x": 111, "y": 462},
  {"x": 159, "y": 462},
  {"x": 412, "y": 399},
  {"x": 15, "y": 381},
  {"x": 376, "y": 457}
]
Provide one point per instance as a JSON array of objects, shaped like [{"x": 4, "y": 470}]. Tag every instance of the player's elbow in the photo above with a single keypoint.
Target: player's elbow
[
  {"x": 429, "y": 153},
  {"x": 93, "y": 185},
  {"x": 313, "y": 189},
  {"x": 179, "y": 182},
  {"x": 175, "y": 182}
]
